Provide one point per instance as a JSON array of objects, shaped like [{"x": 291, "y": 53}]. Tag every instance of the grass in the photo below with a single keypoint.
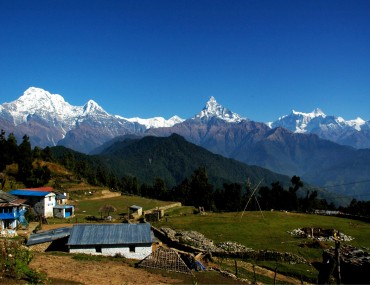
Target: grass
[
  {"x": 269, "y": 231},
  {"x": 121, "y": 203}
]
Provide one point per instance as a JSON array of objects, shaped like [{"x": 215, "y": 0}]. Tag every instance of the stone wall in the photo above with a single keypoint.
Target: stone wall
[{"x": 191, "y": 241}]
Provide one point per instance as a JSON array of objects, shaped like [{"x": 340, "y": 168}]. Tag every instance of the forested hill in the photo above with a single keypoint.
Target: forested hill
[{"x": 173, "y": 159}]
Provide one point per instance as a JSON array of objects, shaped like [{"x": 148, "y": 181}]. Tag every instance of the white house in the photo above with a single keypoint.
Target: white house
[
  {"x": 129, "y": 240},
  {"x": 42, "y": 200}
]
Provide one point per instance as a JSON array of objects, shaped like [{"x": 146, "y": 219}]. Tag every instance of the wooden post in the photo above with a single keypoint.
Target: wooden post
[
  {"x": 254, "y": 275},
  {"x": 337, "y": 258},
  {"x": 236, "y": 268},
  {"x": 275, "y": 276}
]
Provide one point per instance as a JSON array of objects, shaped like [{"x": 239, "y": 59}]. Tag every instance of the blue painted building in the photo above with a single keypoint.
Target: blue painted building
[{"x": 12, "y": 210}]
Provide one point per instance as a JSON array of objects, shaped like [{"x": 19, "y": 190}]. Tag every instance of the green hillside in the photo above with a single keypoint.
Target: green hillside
[{"x": 173, "y": 159}]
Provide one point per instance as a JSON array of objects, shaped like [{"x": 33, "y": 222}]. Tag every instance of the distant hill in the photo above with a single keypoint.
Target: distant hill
[
  {"x": 315, "y": 160},
  {"x": 173, "y": 159}
]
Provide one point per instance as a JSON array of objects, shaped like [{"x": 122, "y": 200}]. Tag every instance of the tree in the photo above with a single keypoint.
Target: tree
[
  {"x": 25, "y": 161},
  {"x": 41, "y": 176},
  {"x": 200, "y": 190},
  {"x": 160, "y": 190},
  {"x": 181, "y": 192}
]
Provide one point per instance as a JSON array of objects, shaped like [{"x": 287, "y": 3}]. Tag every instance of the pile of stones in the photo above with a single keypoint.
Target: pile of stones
[
  {"x": 320, "y": 234},
  {"x": 228, "y": 248}
]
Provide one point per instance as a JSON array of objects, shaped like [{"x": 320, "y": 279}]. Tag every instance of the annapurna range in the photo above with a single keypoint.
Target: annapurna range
[
  {"x": 49, "y": 120},
  {"x": 323, "y": 150}
]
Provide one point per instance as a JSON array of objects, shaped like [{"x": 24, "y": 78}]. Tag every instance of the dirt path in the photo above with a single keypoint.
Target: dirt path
[{"x": 95, "y": 272}]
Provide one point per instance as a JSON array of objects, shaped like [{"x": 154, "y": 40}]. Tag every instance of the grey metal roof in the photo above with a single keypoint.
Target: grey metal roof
[
  {"x": 110, "y": 234},
  {"x": 6, "y": 197},
  {"x": 135, "y": 207},
  {"x": 47, "y": 236},
  {"x": 63, "y": 206}
]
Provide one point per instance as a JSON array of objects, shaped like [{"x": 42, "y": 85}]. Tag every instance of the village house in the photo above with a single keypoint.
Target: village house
[
  {"x": 42, "y": 199},
  {"x": 129, "y": 240},
  {"x": 45, "y": 202},
  {"x": 12, "y": 211}
]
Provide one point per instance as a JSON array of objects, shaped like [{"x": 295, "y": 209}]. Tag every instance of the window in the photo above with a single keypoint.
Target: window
[
  {"x": 132, "y": 248},
  {"x": 98, "y": 248}
]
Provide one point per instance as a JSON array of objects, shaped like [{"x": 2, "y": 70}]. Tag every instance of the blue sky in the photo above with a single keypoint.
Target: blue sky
[{"x": 259, "y": 58}]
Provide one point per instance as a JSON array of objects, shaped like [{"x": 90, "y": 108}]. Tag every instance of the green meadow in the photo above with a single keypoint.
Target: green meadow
[
  {"x": 267, "y": 230},
  {"x": 86, "y": 207}
]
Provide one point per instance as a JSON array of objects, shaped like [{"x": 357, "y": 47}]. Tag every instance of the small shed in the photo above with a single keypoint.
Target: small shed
[
  {"x": 129, "y": 240},
  {"x": 136, "y": 211},
  {"x": 63, "y": 211}
]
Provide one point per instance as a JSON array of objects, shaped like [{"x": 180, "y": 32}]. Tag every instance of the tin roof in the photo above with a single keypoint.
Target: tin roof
[
  {"x": 7, "y": 197},
  {"x": 63, "y": 206},
  {"x": 47, "y": 236},
  {"x": 20, "y": 192},
  {"x": 135, "y": 207},
  {"x": 110, "y": 234}
]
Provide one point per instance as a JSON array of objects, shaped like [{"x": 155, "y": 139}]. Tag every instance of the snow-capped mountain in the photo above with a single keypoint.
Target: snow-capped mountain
[
  {"x": 352, "y": 132},
  {"x": 156, "y": 122},
  {"x": 49, "y": 120},
  {"x": 213, "y": 109},
  {"x": 300, "y": 122}
]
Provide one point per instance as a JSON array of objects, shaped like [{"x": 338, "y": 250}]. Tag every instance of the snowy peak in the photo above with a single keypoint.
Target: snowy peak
[
  {"x": 37, "y": 101},
  {"x": 213, "y": 109},
  {"x": 315, "y": 113},
  {"x": 92, "y": 107},
  {"x": 315, "y": 122},
  {"x": 156, "y": 122}
]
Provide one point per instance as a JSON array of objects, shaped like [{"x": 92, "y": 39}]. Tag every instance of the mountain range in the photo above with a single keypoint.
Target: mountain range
[{"x": 323, "y": 150}]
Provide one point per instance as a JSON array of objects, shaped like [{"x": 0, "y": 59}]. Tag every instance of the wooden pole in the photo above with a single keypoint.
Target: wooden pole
[{"x": 337, "y": 258}]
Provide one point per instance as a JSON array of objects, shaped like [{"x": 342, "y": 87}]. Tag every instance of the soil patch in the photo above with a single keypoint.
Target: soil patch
[{"x": 64, "y": 267}]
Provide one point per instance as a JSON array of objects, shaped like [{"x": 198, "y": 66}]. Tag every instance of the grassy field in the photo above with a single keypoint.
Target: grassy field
[
  {"x": 87, "y": 207},
  {"x": 269, "y": 231}
]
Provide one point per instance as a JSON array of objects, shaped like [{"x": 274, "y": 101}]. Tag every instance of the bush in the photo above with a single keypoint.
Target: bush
[{"x": 14, "y": 261}]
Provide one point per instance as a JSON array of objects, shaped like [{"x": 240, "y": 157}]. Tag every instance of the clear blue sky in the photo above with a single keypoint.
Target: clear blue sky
[{"x": 259, "y": 58}]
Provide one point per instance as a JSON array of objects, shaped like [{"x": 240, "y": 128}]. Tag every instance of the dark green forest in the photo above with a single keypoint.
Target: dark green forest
[{"x": 230, "y": 187}]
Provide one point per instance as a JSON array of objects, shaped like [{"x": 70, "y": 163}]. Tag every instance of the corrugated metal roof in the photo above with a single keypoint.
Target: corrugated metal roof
[
  {"x": 47, "y": 236},
  {"x": 7, "y": 197},
  {"x": 63, "y": 206},
  {"x": 135, "y": 207},
  {"x": 61, "y": 196},
  {"x": 19, "y": 192},
  {"x": 110, "y": 234}
]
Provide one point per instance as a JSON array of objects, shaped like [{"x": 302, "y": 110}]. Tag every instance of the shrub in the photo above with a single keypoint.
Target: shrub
[{"x": 14, "y": 261}]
